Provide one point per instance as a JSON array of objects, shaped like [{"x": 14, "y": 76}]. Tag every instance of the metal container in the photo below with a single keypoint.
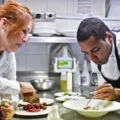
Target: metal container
[{"x": 42, "y": 84}]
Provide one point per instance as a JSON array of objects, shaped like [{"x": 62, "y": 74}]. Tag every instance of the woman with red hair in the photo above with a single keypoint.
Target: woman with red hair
[{"x": 15, "y": 23}]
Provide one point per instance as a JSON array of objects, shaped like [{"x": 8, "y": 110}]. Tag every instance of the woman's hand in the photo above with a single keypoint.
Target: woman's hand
[
  {"x": 105, "y": 91},
  {"x": 7, "y": 111},
  {"x": 27, "y": 91}
]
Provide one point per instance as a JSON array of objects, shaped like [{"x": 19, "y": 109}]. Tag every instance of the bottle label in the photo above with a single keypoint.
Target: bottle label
[{"x": 83, "y": 79}]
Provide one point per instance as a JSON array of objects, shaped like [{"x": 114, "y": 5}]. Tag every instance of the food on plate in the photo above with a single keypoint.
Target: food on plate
[
  {"x": 31, "y": 98},
  {"x": 35, "y": 107},
  {"x": 66, "y": 93},
  {"x": 90, "y": 108},
  {"x": 34, "y": 99},
  {"x": 66, "y": 99},
  {"x": 87, "y": 108},
  {"x": 70, "y": 99},
  {"x": 69, "y": 94}
]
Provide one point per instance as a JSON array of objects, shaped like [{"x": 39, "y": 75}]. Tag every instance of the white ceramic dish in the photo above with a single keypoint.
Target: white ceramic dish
[
  {"x": 44, "y": 32},
  {"x": 70, "y": 94},
  {"x": 66, "y": 98},
  {"x": 102, "y": 107},
  {"x": 69, "y": 33},
  {"x": 47, "y": 100},
  {"x": 22, "y": 112}
]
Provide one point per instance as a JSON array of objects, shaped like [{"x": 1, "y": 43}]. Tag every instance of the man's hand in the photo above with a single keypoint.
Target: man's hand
[
  {"x": 105, "y": 91},
  {"x": 27, "y": 88},
  {"x": 7, "y": 111}
]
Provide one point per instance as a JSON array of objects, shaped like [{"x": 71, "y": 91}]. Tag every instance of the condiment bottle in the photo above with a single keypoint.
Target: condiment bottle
[
  {"x": 63, "y": 81},
  {"x": 85, "y": 75},
  {"x": 69, "y": 81}
]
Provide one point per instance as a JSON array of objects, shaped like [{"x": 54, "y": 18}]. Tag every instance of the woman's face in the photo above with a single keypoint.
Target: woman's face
[{"x": 16, "y": 41}]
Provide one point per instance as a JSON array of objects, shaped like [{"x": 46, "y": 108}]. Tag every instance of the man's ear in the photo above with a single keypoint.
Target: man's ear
[{"x": 109, "y": 36}]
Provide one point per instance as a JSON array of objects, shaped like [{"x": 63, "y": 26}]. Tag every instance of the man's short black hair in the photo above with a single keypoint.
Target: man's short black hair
[{"x": 92, "y": 27}]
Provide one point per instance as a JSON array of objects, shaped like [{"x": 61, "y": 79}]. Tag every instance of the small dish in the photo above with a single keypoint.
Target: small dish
[
  {"x": 66, "y": 98},
  {"x": 59, "y": 94}
]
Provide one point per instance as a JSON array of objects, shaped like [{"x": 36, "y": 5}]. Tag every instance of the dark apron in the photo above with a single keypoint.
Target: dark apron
[{"x": 115, "y": 83}]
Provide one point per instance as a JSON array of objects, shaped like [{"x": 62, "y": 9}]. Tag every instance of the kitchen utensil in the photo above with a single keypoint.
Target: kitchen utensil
[
  {"x": 86, "y": 93},
  {"x": 42, "y": 84},
  {"x": 88, "y": 102}
]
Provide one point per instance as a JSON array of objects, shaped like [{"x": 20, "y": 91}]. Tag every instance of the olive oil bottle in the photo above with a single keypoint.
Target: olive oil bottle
[{"x": 63, "y": 81}]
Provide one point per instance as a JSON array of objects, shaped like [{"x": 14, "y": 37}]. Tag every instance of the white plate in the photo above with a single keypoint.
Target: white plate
[
  {"x": 102, "y": 107},
  {"x": 66, "y": 98},
  {"x": 47, "y": 100},
  {"x": 22, "y": 112},
  {"x": 69, "y": 33},
  {"x": 59, "y": 94}
]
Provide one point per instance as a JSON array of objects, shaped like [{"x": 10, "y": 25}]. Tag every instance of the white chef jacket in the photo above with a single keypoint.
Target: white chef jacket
[
  {"x": 110, "y": 69},
  {"x": 8, "y": 83}
]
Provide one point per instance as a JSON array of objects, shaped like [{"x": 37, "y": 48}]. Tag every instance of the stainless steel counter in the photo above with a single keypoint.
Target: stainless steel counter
[{"x": 67, "y": 114}]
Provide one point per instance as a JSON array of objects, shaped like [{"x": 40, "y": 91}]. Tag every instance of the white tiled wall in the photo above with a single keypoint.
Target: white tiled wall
[
  {"x": 32, "y": 56},
  {"x": 35, "y": 56}
]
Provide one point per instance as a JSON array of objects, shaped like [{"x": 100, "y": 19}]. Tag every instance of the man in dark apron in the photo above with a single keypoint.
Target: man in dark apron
[{"x": 97, "y": 42}]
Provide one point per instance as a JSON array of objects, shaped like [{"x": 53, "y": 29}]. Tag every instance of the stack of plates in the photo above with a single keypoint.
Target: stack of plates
[{"x": 44, "y": 28}]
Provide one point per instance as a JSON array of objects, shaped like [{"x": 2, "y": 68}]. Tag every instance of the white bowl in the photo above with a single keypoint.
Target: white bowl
[
  {"x": 102, "y": 107},
  {"x": 44, "y": 32},
  {"x": 69, "y": 33}
]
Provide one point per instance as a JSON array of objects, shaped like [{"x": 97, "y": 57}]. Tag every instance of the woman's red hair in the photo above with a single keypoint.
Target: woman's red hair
[{"x": 17, "y": 15}]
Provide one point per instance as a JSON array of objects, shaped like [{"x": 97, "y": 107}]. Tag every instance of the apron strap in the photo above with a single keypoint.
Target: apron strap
[{"x": 116, "y": 53}]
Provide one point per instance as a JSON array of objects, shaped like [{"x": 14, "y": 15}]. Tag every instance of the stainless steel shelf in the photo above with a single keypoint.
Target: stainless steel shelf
[{"x": 52, "y": 39}]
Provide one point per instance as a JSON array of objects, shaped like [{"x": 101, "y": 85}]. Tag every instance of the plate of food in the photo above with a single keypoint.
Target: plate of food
[
  {"x": 42, "y": 100},
  {"x": 59, "y": 94},
  {"x": 97, "y": 108},
  {"x": 33, "y": 109},
  {"x": 66, "y": 98}
]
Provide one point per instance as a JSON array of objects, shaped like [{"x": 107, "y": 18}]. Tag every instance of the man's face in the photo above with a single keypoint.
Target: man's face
[{"x": 97, "y": 51}]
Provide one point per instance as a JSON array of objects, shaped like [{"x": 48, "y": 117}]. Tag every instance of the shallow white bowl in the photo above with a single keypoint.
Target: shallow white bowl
[
  {"x": 69, "y": 33},
  {"x": 44, "y": 32},
  {"x": 102, "y": 107}
]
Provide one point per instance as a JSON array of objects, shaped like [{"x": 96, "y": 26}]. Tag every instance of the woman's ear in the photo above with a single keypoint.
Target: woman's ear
[{"x": 3, "y": 23}]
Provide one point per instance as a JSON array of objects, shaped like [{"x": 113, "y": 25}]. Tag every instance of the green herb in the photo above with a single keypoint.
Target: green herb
[{"x": 66, "y": 93}]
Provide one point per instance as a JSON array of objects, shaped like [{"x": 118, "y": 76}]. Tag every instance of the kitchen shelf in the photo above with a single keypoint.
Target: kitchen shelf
[{"x": 52, "y": 39}]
